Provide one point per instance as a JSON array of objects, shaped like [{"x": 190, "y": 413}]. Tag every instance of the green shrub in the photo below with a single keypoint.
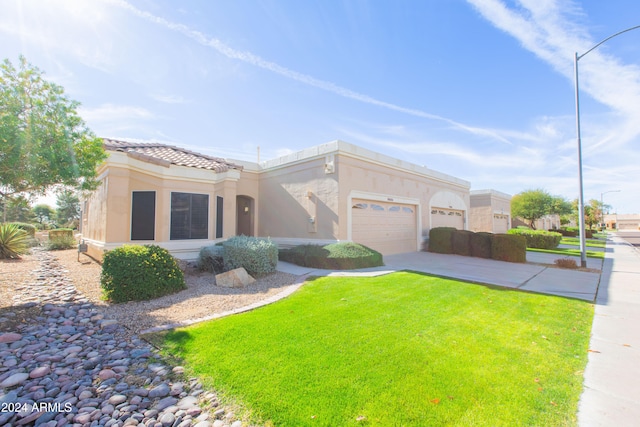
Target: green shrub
[
  {"x": 60, "y": 242},
  {"x": 137, "y": 273},
  {"x": 257, "y": 256},
  {"x": 575, "y": 232},
  {"x": 30, "y": 229},
  {"x": 14, "y": 241},
  {"x": 461, "y": 242},
  {"x": 509, "y": 247},
  {"x": 210, "y": 259},
  {"x": 440, "y": 240},
  {"x": 60, "y": 232},
  {"x": 480, "y": 244},
  {"x": 539, "y": 239},
  {"x": 302, "y": 254},
  {"x": 335, "y": 256}
]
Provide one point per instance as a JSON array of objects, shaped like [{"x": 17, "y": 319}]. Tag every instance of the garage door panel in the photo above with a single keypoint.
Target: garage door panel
[
  {"x": 386, "y": 227},
  {"x": 441, "y": 217}
]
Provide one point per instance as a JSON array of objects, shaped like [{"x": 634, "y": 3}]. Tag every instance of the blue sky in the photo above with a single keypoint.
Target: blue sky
[{"x": 480, "y": 89}]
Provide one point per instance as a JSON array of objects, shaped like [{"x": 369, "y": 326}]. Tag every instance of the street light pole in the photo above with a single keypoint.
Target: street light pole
[
  {"x": 576, "y": 58},
  {"x": 602, "y": 203}
]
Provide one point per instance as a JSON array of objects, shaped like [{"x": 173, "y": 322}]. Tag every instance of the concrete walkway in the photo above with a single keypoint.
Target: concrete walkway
[
  {"x": 611, "y": 395},
  {"x": 537, "y": 275}
]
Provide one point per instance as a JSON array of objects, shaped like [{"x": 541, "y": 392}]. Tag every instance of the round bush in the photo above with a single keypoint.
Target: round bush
[
  {"x": 138, "y": 273},
  {"x": 257, "y": 256},
  {"x": 210, "y": 259},
  {"x": 335, "y": 256}
]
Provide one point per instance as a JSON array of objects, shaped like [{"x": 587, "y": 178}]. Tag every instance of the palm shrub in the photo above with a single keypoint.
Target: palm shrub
[
  {"x": 14, "y": 241},
  {"x": 137, "y": 273},
  {"x": 256, "y": 255},
  {"x": 30, "y": 229}
]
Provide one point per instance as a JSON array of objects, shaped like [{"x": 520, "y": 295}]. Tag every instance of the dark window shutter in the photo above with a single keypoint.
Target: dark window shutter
[
  {"x": 143, "y": 215},
  {"x": 219, "y": 210}
]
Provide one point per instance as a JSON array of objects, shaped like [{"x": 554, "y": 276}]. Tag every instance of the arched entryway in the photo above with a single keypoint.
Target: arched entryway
[{"x": 244, "y": 215}]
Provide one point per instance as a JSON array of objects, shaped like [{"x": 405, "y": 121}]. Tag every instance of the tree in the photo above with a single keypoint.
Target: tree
[
  {"x": 18, "y": 209},
  {"x": 532, "y": 205},
  {"x": 43, "y": 140},
  {"x": 68, "y": 212},
  {"x": 44, "y": 213}
]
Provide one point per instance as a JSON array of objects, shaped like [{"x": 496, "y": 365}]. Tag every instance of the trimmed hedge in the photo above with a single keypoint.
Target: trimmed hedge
[
  {"x": 335, "y": 256},
  {"x": 574, "y": 232},
  {"x": 440, "y": 240},
  {"x": 257, "y": 256},
  {"x": 461, "y": 242},
  {"x": 138, "y": 273},
  {"x": 538, "y": 239},
  {"x": 509, "y": 247},
  {"x": 480, "y": 244},
  {"x": 60, "y": 233}
]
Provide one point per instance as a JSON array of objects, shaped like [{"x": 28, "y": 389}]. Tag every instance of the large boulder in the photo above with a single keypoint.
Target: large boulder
[{"x": 236, "y": 278}]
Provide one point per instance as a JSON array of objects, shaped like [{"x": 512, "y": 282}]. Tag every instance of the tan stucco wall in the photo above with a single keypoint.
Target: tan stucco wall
[
  {"x": 107, "y": 222},
  {"x": 489, "y": 208},
  {"x": 299, "y": 201},
  {"x": 305, "y": 196},
  {"x": 321, "y": 182}
]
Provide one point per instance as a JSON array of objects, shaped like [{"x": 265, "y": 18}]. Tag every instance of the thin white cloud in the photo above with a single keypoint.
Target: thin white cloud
[
  {"x": 550, "y": 30},
  {"x": 257, "y": 61},
  {"x": 169, "y": 99},
  {"x": 113, "y": 113}
]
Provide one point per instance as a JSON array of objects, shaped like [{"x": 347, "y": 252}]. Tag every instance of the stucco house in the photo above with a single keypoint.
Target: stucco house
[
  {"x": 490, "y": 211},
  {"x": 622, "y": 221},
  {"x": 181, "y": 200}
]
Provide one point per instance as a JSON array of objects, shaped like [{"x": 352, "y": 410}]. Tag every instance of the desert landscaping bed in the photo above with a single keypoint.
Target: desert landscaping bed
[{"x": 201, "y": 298}]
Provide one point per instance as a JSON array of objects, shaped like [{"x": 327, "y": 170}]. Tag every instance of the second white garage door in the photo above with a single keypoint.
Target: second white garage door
[
  {"x": 441, "y": 217},
  {"x": 389, "y": 228}
]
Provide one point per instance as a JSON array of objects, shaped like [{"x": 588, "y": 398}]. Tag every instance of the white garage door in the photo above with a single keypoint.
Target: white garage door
[
  {"x": 389, "y": 228},
  {"x": 500, "y": 223},
  {"x": 441, "y": 217}
]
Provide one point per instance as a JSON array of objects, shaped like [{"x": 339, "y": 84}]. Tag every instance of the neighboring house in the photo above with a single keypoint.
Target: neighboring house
[
  {"x": 622, "y": 221},
  {"x": 547, "y": 222},
  {"x": 181, "y": 200},
  {"x": 490, "y": 211}
]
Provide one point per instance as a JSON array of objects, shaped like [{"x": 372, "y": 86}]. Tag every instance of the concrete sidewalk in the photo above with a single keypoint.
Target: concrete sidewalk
[
  {"x": 611, "y": 395},
  {"x": 536, "y": 275}
]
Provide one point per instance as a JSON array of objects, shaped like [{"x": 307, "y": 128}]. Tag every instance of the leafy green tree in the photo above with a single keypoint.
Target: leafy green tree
[
  {"x": 531, "y": 205},
  {"x": 44, "y": 213},
  {"x": 18, "y": 209},
  {"x": 68, "y": 208},
  {"x": 43, "y": 141}
]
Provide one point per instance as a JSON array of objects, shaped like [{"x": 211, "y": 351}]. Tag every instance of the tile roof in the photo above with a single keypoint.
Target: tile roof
[{"x": 166, "y": 155}]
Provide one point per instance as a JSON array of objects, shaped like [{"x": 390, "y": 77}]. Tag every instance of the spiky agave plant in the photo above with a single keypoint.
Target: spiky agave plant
[{"x": 13, "y": 241}]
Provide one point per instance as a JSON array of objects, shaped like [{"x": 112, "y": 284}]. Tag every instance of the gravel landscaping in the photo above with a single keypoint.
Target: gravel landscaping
[{"x": 201, "y": 299}]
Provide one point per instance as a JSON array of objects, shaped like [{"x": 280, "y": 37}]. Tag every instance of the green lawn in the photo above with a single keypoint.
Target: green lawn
[
  {"x": 575, "y": 241},
  {"x": 569, "y": 252},
  {"x": 403, "y": 349}
]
